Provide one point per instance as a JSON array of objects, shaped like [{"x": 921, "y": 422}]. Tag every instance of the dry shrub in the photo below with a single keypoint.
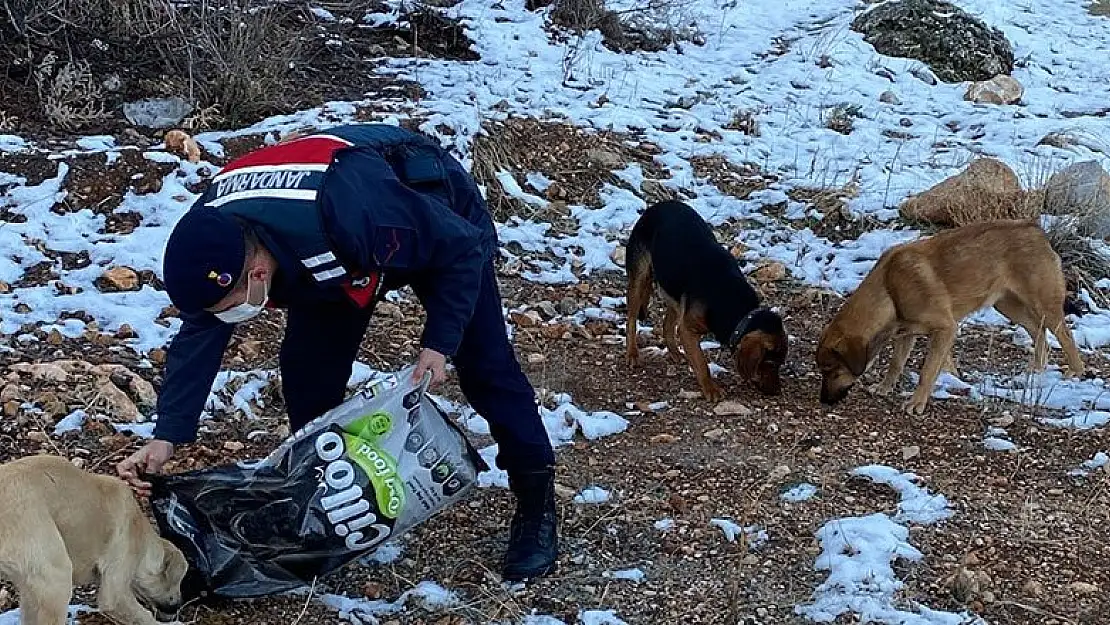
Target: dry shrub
[
  {"x": 71, "y": 99},
  {"x": 492, "y": 155},
  {"x": 989, "y": 206},
  {"x": 1084, "y": 264},
  {"x": 243, "y": 60},
  {"x": 229, "y": 55}
]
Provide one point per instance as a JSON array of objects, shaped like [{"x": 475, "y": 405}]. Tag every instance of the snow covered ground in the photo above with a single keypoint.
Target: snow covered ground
[{"x": 670, "y": 98}]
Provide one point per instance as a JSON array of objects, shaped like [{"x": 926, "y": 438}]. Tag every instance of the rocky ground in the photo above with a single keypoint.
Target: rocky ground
[{"x": 1026, "y": 543}]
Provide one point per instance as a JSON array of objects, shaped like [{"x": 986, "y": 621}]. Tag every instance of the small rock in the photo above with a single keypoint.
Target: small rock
[
  {"x": 714, "y": 434},
  {"x": 390, "y": 310},
  {"x": 11, "y": 408},
  {"x": 10, "y": 392},
  {"x": 36, "y": 435},
  {"x": 1033, "y": 588},
  {"x": 564, "y": 492},
  {"x": 911, "y": 451},
  {"x": 125, "y": 332},
  {"x": 78, "y": 462},
  {"x": 1002, "y": 421},
  {"x": 157, "y": 112},
  {"x": 965, "y": 585},
  {"x": 731, "y": 408},
  {"x": 779, "y": 473},
  {"x": 233, "y": 446},
  {"x": 771, "y": 272},
  {"x": 663, "y": 439},
  {"x": 605, "y": 158},
  {"x": 117, "y": 404},
  {"x": 889, "y": 97},
  {"x": 22, "y": 308},
  {"x": 1081, "y": 192},
  {"x": 157, "y": 356},
  {"x": 5, "y": 288},
  {"x": 55, "y": 337},
  {"x": 528, "y": 319},
  {"x": 1001, "y": 89},
  {"x": 688, "y": 394},
  {"x": 52, "y": 405},
  {"x": 372, "y": 590},
  {"x": 118, "y": 279},
  {"x": 568, "y": 306},
  {"x": 535, "y": 359},
  {"x": 924, "y": 75},
  {"x": 1083, "y": 588},
  {"x": 618, "y": 256}
]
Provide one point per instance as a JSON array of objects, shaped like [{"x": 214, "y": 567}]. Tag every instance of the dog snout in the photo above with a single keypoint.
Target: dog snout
[{"x": 830, "y": 395}]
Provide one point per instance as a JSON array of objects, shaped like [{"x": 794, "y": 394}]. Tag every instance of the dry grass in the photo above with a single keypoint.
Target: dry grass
[{"x": 1022, "y": 204}]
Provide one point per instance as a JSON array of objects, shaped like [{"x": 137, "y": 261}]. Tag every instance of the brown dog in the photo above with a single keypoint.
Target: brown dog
[
  {"x": 673, "y": 248},
  {"x": 61, "y": 526},
  {"x": 925, "y": 287}
]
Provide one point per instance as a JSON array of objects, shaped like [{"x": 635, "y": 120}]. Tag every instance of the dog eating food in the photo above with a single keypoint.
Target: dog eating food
[
  {"x": 365, "y": 472},
  {"x": 61, "y": 526},
  {"x": 671, "y": 247},
  {"x": 925, "y": 287}
]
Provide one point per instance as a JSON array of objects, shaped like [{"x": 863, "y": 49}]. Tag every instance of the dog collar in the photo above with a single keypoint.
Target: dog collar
[{"x": 741, "y": 329}]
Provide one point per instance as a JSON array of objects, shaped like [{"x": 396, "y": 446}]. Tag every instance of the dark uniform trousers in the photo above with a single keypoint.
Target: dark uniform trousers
[{"x": 322, "y": 341}]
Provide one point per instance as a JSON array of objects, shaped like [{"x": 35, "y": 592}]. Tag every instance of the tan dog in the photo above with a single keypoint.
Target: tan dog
[
  {"x": 925, "y": 287},
  {"x": 61, "y": 526}
]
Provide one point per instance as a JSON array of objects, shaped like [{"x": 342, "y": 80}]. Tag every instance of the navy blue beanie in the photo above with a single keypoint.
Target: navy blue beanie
[{"x": 204, "y": 258}]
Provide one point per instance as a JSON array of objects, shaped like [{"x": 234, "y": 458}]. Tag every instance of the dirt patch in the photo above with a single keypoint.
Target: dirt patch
[
  {"x": 575, "y": 163},
  {"x": 1022, "y": 524},
  {"x": 739, "y": 181}
]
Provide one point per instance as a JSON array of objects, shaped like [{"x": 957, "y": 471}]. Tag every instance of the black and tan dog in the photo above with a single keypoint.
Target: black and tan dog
[
  {"x": 925, "y": 287},
  {"x": 673, "y": 248}
]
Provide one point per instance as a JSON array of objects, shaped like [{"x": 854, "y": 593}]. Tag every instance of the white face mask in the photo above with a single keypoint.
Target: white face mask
[{"x": 246, "y": 310}]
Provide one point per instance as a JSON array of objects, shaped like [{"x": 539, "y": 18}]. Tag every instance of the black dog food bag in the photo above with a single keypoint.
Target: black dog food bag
[{"x": 367, "y": 471}]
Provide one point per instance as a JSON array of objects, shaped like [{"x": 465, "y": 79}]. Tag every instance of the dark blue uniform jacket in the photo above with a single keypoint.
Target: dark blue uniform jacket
[{"x": 350, "y": 213}]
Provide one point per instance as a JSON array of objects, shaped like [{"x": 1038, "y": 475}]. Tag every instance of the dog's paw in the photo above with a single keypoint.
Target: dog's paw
[
  {"x": 713, "y": 392},
  {"x": 915, "y": 407},
  {"x": 632, "y": 357},
  {"x": 675, "y": 356}
]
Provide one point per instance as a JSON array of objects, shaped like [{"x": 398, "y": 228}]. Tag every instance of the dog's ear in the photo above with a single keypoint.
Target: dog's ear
[
  {"x": 750, "y": 352},
  {"x": 854, "y": 352}
]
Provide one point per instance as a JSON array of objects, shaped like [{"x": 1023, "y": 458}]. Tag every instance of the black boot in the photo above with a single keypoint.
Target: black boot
[{"x": 533, "y": 541}]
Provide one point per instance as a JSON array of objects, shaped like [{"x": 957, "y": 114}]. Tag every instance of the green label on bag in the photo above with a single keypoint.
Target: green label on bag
[{"x": 361, "y": 438}]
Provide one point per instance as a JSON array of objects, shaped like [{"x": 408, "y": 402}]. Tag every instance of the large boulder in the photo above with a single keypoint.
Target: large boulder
[
  {"x": 954, "y": 44},
  {"x": 1081, "y": 193},
  {"x": 987, "y": 189}
]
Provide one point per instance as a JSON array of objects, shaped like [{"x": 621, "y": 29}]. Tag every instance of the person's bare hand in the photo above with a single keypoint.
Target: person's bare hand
[
  {"x": 148, "y": 459},
  {"x": 430, "y": 360}
]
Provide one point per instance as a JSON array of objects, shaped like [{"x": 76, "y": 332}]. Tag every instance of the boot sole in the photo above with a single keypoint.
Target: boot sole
[{"x": 528, "y": 578}]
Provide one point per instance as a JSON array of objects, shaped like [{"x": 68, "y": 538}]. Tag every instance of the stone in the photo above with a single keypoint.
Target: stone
[
  {"x": 605, "y": 158},
  {"x": 1001, "y": 89},
  {"x": 954, "y": 44},
  {"x": 889, "y": 97},
  {"x": 157, "y": 112},
  {"x": 987, "y": 189},
  {"x": 731, "y": 408},
  {"x": 118, "y": 279},
  {"x": 773, "y": 271},
  {"x": 1081, "y": 193}
]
